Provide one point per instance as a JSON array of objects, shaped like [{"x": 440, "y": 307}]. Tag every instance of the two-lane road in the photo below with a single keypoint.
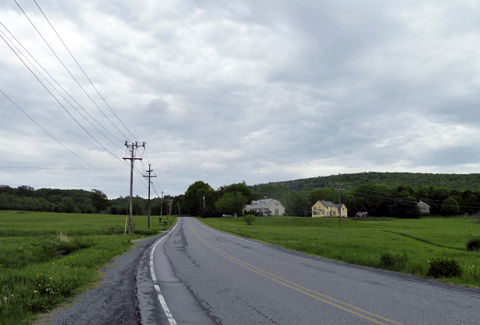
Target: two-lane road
[{"x": 204, "y": 276}]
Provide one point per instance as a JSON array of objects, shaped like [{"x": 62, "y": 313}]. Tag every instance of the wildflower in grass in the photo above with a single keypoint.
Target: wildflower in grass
[
  {"x": 34, "y": 291},
  {"x": 40, "y": 285},
  {"x": 38, "y": 275}
]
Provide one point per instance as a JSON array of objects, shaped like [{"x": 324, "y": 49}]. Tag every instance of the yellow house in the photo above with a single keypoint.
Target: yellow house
[{"x": 328, "y": 209}]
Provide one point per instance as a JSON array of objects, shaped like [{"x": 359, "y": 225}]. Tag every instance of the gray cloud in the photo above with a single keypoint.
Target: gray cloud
[{"x": 245, "y": 90}]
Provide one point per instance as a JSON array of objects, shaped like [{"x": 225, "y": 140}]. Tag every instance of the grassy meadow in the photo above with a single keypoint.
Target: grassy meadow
[
  {"x": 46, "y": 258},
  {"x": 403, "y": 245}
]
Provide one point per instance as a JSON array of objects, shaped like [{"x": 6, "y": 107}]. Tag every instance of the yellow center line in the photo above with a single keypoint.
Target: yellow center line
[{"x": 331, "y": 301}]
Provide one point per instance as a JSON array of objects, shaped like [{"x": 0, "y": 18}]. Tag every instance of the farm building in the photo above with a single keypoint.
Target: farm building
[{"x": 362, "y": 215}]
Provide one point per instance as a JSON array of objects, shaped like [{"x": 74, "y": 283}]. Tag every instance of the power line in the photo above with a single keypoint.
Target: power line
[
  {"x": 78, "y": 64},
  {"x": 56, "y": 99},
  {"x": 73, "y": 77},
  {"x": 39, "y": 72},
  {"x": 73, "y": 153}
]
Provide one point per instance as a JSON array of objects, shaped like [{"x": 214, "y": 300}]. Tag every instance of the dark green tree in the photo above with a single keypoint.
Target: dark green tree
[
  {"x": 198, "y": 196},
  {"x": 99, "y": 200},
  {"x": 404, "y": 207},
  {"x": 450, "y": 207},
  {"x": 300, "y": 206},
  {"x": 439, "y": 194},
  {"x": 231, "y": 203},
  {"x": 68, "y": 205},
  {"x": 374, "y": 199}
]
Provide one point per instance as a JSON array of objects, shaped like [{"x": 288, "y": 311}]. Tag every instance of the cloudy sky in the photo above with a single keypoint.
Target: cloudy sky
[{"x": 225, "y": 91}]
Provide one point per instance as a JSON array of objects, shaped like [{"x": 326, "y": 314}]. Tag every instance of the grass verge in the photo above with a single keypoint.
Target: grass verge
[
  {"x": 46, "y": 258},
  {"x": 402, "y": 245}
]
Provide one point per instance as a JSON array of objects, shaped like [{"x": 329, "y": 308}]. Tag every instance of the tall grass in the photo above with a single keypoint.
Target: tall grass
[
  {"x": 47, "y": 257},
  {"x": 403, "y": 245}
]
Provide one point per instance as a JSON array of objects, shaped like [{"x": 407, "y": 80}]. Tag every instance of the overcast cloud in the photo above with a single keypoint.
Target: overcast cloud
[{"x": 225, "y": 91}]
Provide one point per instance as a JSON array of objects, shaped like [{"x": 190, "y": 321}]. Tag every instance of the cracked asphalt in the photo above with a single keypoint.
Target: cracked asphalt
[
  {"x": 115, "y": 298},
  {"x": 209, "y": 277}
]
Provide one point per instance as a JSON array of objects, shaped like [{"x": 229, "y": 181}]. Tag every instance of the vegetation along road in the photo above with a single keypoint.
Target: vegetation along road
[{"x": 204, "y": 276}]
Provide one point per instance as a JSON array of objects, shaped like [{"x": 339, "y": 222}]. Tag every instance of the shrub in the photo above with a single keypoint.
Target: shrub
[
  {"x": 444, "y": 268},
  {"x": 473, "y": 244},
  {"x": 249, "y": 218},
  {"x": 393, "y": 262}
]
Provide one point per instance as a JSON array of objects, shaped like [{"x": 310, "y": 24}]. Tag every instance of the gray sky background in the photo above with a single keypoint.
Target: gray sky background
[{"x": 225, "y": 91}]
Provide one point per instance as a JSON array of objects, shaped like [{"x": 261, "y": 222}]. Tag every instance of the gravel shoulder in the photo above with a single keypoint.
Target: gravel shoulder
[{"x": 113, "y": 298}]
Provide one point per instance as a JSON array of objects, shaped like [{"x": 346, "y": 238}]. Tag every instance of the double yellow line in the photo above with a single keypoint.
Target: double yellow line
[{"x": 311, "y": 293}]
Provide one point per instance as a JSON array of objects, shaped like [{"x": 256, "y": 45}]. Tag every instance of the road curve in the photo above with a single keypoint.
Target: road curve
[{"x": 208, "y": 277}]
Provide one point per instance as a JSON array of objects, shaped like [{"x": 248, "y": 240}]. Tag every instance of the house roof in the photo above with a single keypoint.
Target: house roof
[
  {"x": 264, "y": 204},
  {"x": 330, "y": 204},
  {"x": 421, "y": 202}
]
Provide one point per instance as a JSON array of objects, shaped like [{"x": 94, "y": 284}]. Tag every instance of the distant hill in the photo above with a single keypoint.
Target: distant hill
[{"x": 459, "y": 182}]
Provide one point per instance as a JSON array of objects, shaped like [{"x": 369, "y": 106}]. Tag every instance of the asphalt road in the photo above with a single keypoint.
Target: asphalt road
[
  {"x": 203, "y": 276},
  {"x": 114, "y": 299}
]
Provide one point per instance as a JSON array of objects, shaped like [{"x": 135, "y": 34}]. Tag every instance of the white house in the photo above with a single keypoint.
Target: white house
[
  {"x": 424, "y": 208},
  {"x": 267, "y": 207}
]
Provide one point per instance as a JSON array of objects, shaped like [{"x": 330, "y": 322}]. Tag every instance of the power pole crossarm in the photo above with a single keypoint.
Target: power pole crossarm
[{"x": 132, "y": 159}]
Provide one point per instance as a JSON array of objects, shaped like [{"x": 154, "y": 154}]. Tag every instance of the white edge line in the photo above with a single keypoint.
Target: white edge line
[{"x": 163, "y": 303}]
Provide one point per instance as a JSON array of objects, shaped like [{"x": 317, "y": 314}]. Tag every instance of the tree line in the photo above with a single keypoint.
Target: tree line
[
  {"x": 460, "y": 182},
  {"x": 26, "y": 198},
  {"x": 377, "y": 199},
  {"x": 201, "y": 199}
]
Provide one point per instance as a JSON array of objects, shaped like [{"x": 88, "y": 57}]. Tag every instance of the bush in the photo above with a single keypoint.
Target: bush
[
  {"x": 249, "y": 218},
  {"x": 473, "y": 244},
  {"x": 393, "y": 262},
  {"x": 444, "y": 268}
]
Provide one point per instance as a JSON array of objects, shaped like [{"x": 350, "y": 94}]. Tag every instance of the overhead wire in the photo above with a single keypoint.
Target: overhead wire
[
  {"x": 85, "y": 74},
  {"x": 50, "y": 135},
  {"x": 69, "y": 72},
  {"x": 75, "y": 79},
  {"x": 46, "y": 79},
  {"x": 56, "y": 99}
]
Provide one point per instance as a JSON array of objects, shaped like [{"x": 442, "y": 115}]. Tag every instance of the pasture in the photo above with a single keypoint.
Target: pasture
[
  {"x": 403, "y": 245},
  {"x": 48, "y": 257}
]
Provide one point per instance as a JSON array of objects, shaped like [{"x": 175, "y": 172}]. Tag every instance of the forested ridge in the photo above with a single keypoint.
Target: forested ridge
[
  {"x": 459, "y": 182},
  {"x": 379, "y": 194}
]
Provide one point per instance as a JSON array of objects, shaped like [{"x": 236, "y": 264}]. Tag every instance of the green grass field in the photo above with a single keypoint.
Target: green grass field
[
  {"x": 364, "y": 241},
  {"x": 46, "y": 258}
]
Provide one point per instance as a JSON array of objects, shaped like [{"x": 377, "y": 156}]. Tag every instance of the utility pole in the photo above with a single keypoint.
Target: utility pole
[
  {"x": 132, "y": 159},
  {"x": 340, "y": 205},
  {"x": 149, "y": 171},
  {"x": 161, "y": 207},
  {"x": 169, "y": 208}
]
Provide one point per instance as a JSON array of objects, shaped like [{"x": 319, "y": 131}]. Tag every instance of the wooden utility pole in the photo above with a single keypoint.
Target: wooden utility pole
[
  {"x": 161, "y": 207},
  {"x": 340, "y": 205},
  {"x": 132, "y": 159},
  {"x": 149, "y": 171}
]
